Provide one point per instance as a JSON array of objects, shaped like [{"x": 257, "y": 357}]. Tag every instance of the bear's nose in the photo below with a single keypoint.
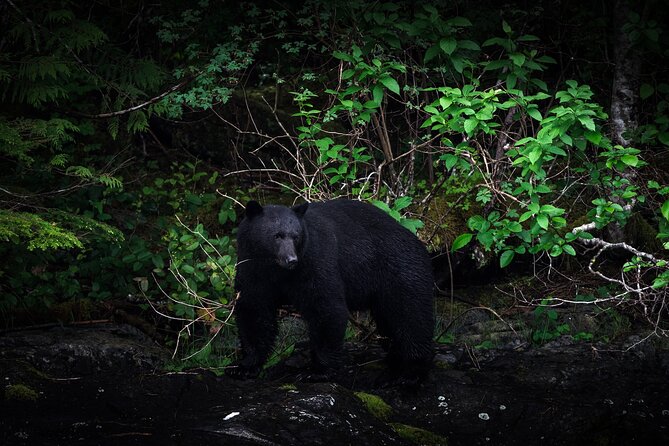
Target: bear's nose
[{"x": 291, "y": 262}]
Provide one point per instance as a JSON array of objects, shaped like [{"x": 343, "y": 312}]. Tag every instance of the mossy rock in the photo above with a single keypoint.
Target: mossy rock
[
  {"x": 443, "y": 224},
  {"x": 375, "y": 405},
  {"x": 419, "y": 436},
  {"x": 20, "y": 392}
]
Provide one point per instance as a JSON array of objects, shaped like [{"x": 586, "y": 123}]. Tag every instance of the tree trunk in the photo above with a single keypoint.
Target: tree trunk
[{"x": 624, "y": 99}]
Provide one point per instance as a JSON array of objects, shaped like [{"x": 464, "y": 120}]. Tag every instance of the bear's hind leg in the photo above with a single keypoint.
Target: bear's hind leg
[{"x": 408, "y": 320}]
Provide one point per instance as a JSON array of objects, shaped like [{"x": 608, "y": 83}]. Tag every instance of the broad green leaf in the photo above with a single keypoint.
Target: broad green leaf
[
  {"x": 401, "y": 203},
  {"x": 525, "y": 216},
  {"x": 470, "y": 124},
  {"x": 506, "y": 258},
  {"x": 506, "y": 27},
  {"x": 517, "y": 58},
  {"x": 587, "y": 122},
  {"x": 448, "y": 45},
  {"x": 555, "y": 251},
  {"x": 594, "y": 137},
  {"x": 646, "y": 91},
  {"x": 630, "y": 160},
  {"x": 514, "y": 226},
  {"x": 458, "y": 64},
  {"x": 461, "y": 241},
  {"x": 469, "y": 45},
  {"x": 511, "y": 80},
  {"x": 391, "y": 84},
  {"x": 665, "y": 210},
  {"x": 377, "y": 93},
  {"x": 569, "y": 250},
  {"x": 534, "y": 155},
  {"x": 533, "y": 112},
  {"x": 431, "y": 53},
  {"x": 459, "y": 21},
  {"x": 450, "y": 160},
  {"x": 663, "y": 137},
  {"x": 542, "y": 220}
]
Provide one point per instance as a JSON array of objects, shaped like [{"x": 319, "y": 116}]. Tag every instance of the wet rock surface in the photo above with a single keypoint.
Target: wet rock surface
[{"x": 99, "y": 385}]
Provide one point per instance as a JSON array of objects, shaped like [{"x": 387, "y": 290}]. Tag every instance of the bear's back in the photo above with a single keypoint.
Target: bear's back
[{"x": 366, "y": 237}]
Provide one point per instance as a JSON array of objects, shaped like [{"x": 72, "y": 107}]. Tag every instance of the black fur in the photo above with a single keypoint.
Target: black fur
[{"x": 327, "y": 259}]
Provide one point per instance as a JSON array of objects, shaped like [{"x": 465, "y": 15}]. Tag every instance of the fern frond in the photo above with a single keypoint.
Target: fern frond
[
  {"x": 110, "y": 181},
  {"x": 43, "y": 67},
  {"x": 137, "y": 122},
  {"x": 61, "y": 16},
  {"x": 80, "y": 171},
  {"x": 36, "y": 232},
  {"x": 59, "y": 160}
]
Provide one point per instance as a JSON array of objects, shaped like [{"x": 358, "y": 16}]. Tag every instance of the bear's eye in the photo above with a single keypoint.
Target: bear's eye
[{"x": 279, "y": 235}]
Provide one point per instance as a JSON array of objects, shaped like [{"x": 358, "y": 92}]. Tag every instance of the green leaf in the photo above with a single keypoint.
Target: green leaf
[
  {"x": 587, "y": 122},
  {"x": 459, "y": 21},
  {"x": 461, "y": 241},
  {"x": 377, "y": 93},
  {"x": 506, "y": 258},
  {"x": 469, "y": 45},
  {"x": 542, "y": 220},
  {"x": 391, "y": 84},
  {"x": 630, "y": 160},
  {"x": 517, "y": 58},
  {"x": 569, "y": 250},
  {"x": 470, "y": 124},
  {"x": 514, "y": 226},
  {"x": 450, "y": 160},
  {"x": 506, "y": 27},
  {"x": 448, "y": 45},
  {"x": 534, "y": 155},
  {"x": 431, "y": 53},
  {"x": 401, "y": 203},
  {"x": 665, "y": 210},
  {"x": 534, "y": 113},
  {"x": 593, "y": 137},
  {"x": 663, "y": 137},
  {"x": 458, "y": 63},
  {"x": 525, "y": 216},
  {"x": 646, "y": 91}
]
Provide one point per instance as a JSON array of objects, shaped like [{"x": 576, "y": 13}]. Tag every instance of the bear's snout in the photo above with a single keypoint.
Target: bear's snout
[
  {"x": 287, "y": 257},
  {"x": 289, "y": 262}
]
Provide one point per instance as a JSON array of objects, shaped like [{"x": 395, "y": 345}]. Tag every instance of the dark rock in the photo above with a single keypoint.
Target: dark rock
[
  {"x": 83, "y": 350},
  {"x": 565, "y": 393}
]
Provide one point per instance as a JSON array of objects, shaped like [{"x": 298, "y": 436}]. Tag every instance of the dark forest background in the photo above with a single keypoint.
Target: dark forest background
[{"x": 524, "y": 142}]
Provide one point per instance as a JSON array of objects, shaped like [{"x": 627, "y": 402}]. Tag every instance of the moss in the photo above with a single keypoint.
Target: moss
[
  {"x": 442, "y": 223},
  {"x": 20, "y": 392},
  {"x": 641, "y": 234},
  {"x": 288, "y": 387},
  {"x": 418, "y": 436},
  {"x": 375, "y": 405}
]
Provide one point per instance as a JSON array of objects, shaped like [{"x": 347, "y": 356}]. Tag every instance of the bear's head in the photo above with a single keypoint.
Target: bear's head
[{"x": 276, "y": 232}]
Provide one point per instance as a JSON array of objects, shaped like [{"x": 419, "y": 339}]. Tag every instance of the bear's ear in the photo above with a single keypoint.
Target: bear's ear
[
  {"x": 301, "y": 209},
  {"x": 253, "y": 208}
]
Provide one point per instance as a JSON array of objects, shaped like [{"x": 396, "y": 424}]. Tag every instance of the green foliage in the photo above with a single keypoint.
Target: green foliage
[
  {"x": 401, "y": 203},
  {"x": 18, "y": 227},
  {"x": 393, "y": 103},
  {"x": 547, "y": 325}
]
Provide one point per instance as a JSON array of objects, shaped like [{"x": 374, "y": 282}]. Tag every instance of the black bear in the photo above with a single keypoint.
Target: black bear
[{"x": 327, "y": 259}]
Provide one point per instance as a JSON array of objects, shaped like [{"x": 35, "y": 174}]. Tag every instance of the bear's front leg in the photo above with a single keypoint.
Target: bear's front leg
[
  {"x": 257, "y": 330},
  {"x": 327, "y": 326}
]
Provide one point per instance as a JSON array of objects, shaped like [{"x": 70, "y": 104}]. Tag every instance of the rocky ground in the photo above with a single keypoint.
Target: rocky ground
[{"x": 101, "y": 385}]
